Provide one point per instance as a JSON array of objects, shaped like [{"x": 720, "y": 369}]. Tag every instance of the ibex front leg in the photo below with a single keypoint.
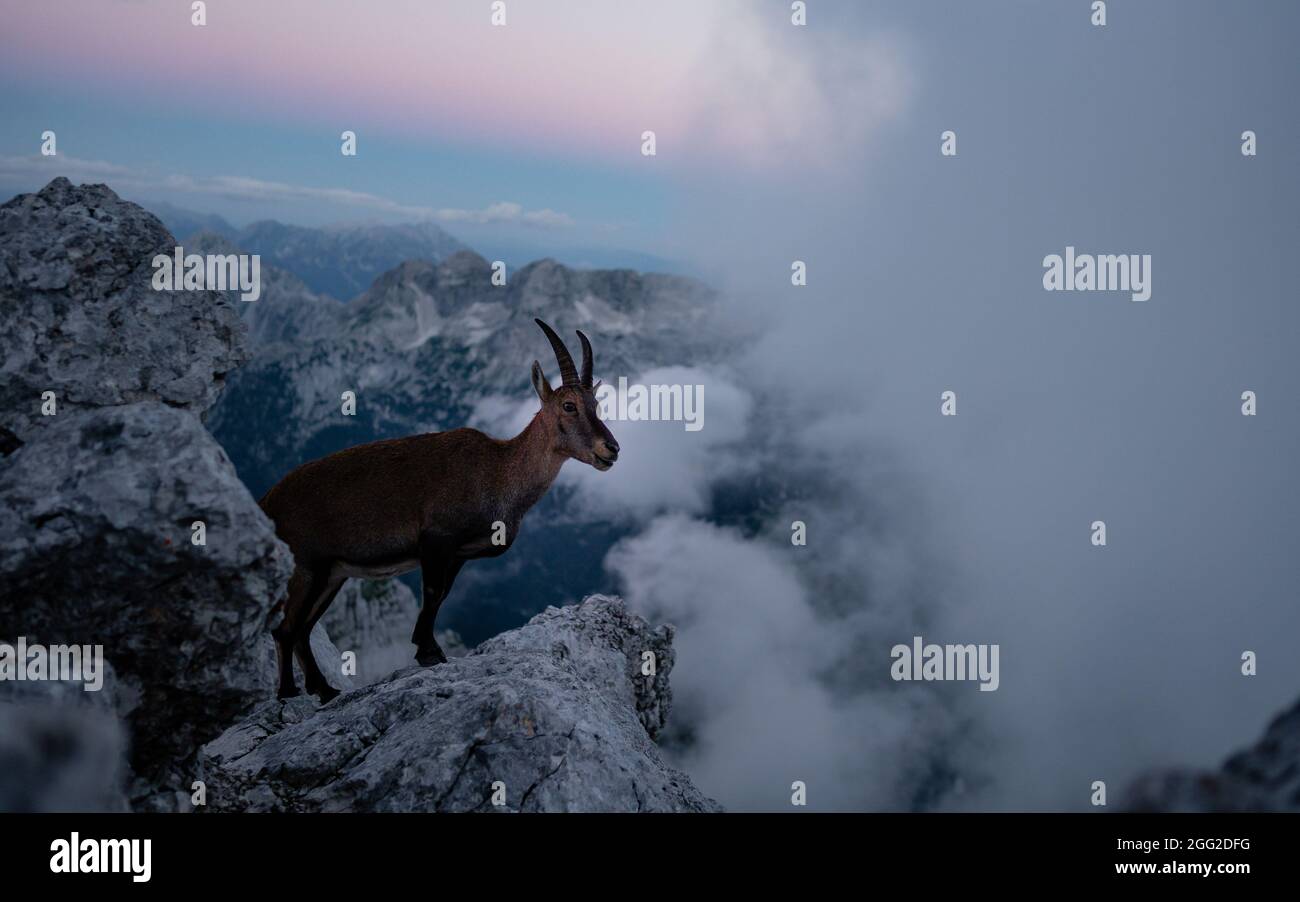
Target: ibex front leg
[{"x": 438, "y": 569}]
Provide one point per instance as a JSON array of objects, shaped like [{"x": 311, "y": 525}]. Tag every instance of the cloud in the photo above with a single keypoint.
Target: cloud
[
  {"x": 810, "y": 94},
  {"x": 26, "y": 169},
  {"x": 506, "y": 213},
  {"x": 782, "y": 666},
  {"x": 664, "y": 467},
  {"x": 750, "y": 689}
]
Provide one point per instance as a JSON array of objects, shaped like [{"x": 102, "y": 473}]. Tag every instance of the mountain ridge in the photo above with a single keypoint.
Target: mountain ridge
[{"x": 338, "y": 261}]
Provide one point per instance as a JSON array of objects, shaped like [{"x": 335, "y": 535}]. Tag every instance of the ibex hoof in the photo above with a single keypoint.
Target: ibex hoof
[
  {"x": 428, "y": 657},
  {"x": 326, "y": 694},
  {"x": 291, "y": 692}
]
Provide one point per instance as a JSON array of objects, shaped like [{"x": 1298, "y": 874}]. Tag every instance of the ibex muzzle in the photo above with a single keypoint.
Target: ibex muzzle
[{"x": 431, "y": 501}]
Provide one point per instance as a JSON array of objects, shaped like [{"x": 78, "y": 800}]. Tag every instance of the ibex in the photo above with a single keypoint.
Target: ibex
[{"x": 432, "y": 501}]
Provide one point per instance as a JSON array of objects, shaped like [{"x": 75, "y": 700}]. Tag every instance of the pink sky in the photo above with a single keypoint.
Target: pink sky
[
  {"x": 581, "y": 77},
  {"x": 423, "y": 67}
]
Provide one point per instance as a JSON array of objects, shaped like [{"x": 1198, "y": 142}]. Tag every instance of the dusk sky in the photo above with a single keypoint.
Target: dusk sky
[
  {"x": 925, "y": 273},
  {"x": 533, "y": 128}
]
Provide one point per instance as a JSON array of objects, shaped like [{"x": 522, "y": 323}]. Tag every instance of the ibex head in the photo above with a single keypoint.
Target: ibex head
[{"x": 571, "y": 408}]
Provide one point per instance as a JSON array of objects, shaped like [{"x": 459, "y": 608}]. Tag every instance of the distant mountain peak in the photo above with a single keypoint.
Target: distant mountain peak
[
  {"x": 205, "y": 241},
  {"x": 343, "y": 262},
  {"x": 340, "y": 261},
  {"x": 287, "y": 311},
  {"x": 464, "y": 264}
]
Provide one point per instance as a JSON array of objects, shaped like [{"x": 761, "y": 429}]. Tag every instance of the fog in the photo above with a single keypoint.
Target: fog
[{"x": 924, "y": 276}]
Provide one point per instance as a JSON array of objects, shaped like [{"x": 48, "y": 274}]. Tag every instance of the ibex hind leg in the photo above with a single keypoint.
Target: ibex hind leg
[
  {"x": 284, "y": 662},
  {"x": 317, "y": 685},
  {"x": 285, "y": 635}
]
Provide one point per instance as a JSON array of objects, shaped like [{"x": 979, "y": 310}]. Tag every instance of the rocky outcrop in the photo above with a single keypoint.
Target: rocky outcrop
[
  {"x": 97, "y": 534},
  {"x": 1264, "y": 777},
  {"x": 79, "y": 316},
  {"x": 554, "y": 716},
  {"x": 122, "y": 522}
]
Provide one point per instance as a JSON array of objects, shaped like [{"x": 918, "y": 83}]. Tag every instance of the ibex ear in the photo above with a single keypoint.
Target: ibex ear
[{"x": 542, "y": 387}]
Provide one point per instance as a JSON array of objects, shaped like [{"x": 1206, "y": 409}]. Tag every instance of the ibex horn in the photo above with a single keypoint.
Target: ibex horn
[
  {"x": 568, "y": 373},
  {"x": 586, "y": 359}
]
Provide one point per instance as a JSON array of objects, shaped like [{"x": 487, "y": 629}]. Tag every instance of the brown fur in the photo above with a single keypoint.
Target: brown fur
[{"x": 430, "y": 501}]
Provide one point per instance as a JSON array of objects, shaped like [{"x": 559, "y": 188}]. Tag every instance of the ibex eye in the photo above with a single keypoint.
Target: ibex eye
[{"x": 570, "y": 407}]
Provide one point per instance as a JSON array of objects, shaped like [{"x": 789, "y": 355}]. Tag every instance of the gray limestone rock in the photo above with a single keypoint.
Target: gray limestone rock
[
  {"x": 79, "y": 315},
  {"x": 554, "y": 716}
]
